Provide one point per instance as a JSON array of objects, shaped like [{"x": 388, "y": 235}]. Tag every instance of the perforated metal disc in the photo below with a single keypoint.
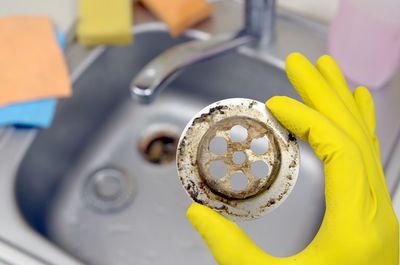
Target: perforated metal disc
[{"x": 236, "y": 158}]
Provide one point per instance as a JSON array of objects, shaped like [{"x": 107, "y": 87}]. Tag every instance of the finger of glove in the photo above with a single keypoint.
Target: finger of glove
[
  {"x": 311, "y": 85},
  {"x": 317, "y": 94},
  {"x": 332, "y": 74},
  {"x": 365, "y": 103},
  {"x": 225, "y": 239},
  {"x": 346, "y": 183}
]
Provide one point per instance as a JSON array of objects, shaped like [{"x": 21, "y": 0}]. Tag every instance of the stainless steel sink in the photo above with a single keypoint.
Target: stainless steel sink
[
  {"x": 100, "y": 186},
  {"x": 86, "y": 185}
]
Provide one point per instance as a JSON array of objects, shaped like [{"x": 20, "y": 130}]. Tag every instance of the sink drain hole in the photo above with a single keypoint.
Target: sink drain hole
[
  {"x": 238, "y": 133},
  {"x": 159, "y": 147},
  {"x": 218, "y": 146},
  {"x": 259, "y": 146},
  {"x": 239, "y": 181},
  {"x": 218, "y": 169},
  {"x": 239, "y": 157},
  {"x": 108, "y": 190},
  {"x": 259, "y": 169}
]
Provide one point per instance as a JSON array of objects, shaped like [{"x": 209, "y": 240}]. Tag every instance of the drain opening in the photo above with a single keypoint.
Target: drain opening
[
  {"x": 218, "y": 169},
  {"x": 259, "y": 169},
  {"x": 159, "y": 147},
  {"x": 239, "y": 157},
  {"x": 259, "y": 146},
  {"x": 108, "y": 190},
  {"x": 239, "y": 181},
  {"x": 238, "y": 133},
  {"x": 218, "y": 146}
]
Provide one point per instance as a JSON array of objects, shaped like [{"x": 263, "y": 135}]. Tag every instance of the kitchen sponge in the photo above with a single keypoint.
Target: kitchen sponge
[
  {"x": 105, "y": 22},
  {"x": 179, "y": 14}
]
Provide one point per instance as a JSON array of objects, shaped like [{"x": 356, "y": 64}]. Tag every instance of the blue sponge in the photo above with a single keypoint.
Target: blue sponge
[{"x": 38, "y": 113}]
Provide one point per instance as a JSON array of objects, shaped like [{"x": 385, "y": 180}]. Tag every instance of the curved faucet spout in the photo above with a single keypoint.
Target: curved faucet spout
[
  {"x": 162, "y": 70},
  {"x": 159, "y": 72}
]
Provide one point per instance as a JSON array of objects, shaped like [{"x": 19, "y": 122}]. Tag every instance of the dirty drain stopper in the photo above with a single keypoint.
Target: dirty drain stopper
[{"x": 235, "y": 157}]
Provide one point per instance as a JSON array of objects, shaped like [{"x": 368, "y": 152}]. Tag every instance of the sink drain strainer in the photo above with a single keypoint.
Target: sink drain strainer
[{"x": 235, "y": 157}]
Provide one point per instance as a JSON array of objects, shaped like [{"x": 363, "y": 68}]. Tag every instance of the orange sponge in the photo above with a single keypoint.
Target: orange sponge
[
  {"x": 179, "y": 14},
  {"x": 31, "y": 62}
]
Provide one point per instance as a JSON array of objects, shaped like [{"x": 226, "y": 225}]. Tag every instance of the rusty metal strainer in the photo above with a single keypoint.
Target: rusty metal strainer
[{"x": 236, "y": 158}]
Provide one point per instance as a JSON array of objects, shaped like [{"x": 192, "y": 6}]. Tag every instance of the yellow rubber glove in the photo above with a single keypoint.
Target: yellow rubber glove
[{"x": 359, "y": 226}]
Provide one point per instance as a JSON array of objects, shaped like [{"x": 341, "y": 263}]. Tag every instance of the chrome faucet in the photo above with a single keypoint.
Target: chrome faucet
[{"x": 157, "y": 74}]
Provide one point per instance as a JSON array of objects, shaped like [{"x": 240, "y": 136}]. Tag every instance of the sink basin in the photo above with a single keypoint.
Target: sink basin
[{"x": 101, "y": 183}]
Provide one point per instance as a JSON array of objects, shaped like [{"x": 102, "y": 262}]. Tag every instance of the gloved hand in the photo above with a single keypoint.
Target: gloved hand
[{"x": 359, "y": 226}]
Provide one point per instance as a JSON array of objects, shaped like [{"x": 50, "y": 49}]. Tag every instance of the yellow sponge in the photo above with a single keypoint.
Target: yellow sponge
[{"x": 105, "y": 22}]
